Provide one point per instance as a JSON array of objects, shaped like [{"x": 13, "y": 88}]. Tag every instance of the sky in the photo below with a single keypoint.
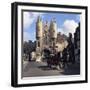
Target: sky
[{"x": 66, "y": 22}]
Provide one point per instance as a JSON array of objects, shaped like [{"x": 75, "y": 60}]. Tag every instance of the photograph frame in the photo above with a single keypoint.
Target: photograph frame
[{"x": 14, "y": 43}]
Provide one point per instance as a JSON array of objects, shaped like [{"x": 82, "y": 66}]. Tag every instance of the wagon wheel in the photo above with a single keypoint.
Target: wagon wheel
[
  {"x": 61, "y": 65},
  {"x": 49, "y": 65}
]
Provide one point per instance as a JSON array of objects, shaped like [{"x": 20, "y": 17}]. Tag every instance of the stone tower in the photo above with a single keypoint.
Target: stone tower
[
  {"x": 45, "y": 34},
  {"x": 39, "y": 36},
  {"x": 53, "y": 33}
]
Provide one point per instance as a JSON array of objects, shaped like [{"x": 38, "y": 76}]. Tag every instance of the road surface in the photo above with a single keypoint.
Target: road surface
[{"x": 31, "y": 69}]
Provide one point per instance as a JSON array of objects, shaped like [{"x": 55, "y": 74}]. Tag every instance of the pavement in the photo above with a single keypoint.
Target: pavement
[{"x": 32, "y": 69}]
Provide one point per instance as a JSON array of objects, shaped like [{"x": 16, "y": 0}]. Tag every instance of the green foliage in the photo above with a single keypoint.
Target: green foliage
[{"x": 29, "y": 47}]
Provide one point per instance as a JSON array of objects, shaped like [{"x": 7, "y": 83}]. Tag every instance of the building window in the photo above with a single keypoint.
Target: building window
[{"x": 38, "y": 44}]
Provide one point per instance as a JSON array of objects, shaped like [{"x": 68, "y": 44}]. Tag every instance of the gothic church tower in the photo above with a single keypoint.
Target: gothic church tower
[
  {"x": 39, "y": 36},
  {"x": 53, "y": 34}
]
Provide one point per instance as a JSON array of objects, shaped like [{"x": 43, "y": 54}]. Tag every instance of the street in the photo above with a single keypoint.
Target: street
[{"x": 32, "y": 68}]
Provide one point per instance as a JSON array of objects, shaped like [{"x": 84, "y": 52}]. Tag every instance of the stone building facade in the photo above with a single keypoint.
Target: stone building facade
[{"x": 48, "y": 37}]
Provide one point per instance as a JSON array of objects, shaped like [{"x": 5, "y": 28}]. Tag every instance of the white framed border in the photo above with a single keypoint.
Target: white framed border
[{"x": 50, "y": 79}]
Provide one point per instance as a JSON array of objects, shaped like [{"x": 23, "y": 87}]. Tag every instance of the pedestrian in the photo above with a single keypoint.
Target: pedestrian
[{"x": 64, "y": 53}]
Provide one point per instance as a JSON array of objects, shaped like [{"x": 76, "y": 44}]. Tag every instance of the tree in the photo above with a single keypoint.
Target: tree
[{"x": 29, "y": 47}]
